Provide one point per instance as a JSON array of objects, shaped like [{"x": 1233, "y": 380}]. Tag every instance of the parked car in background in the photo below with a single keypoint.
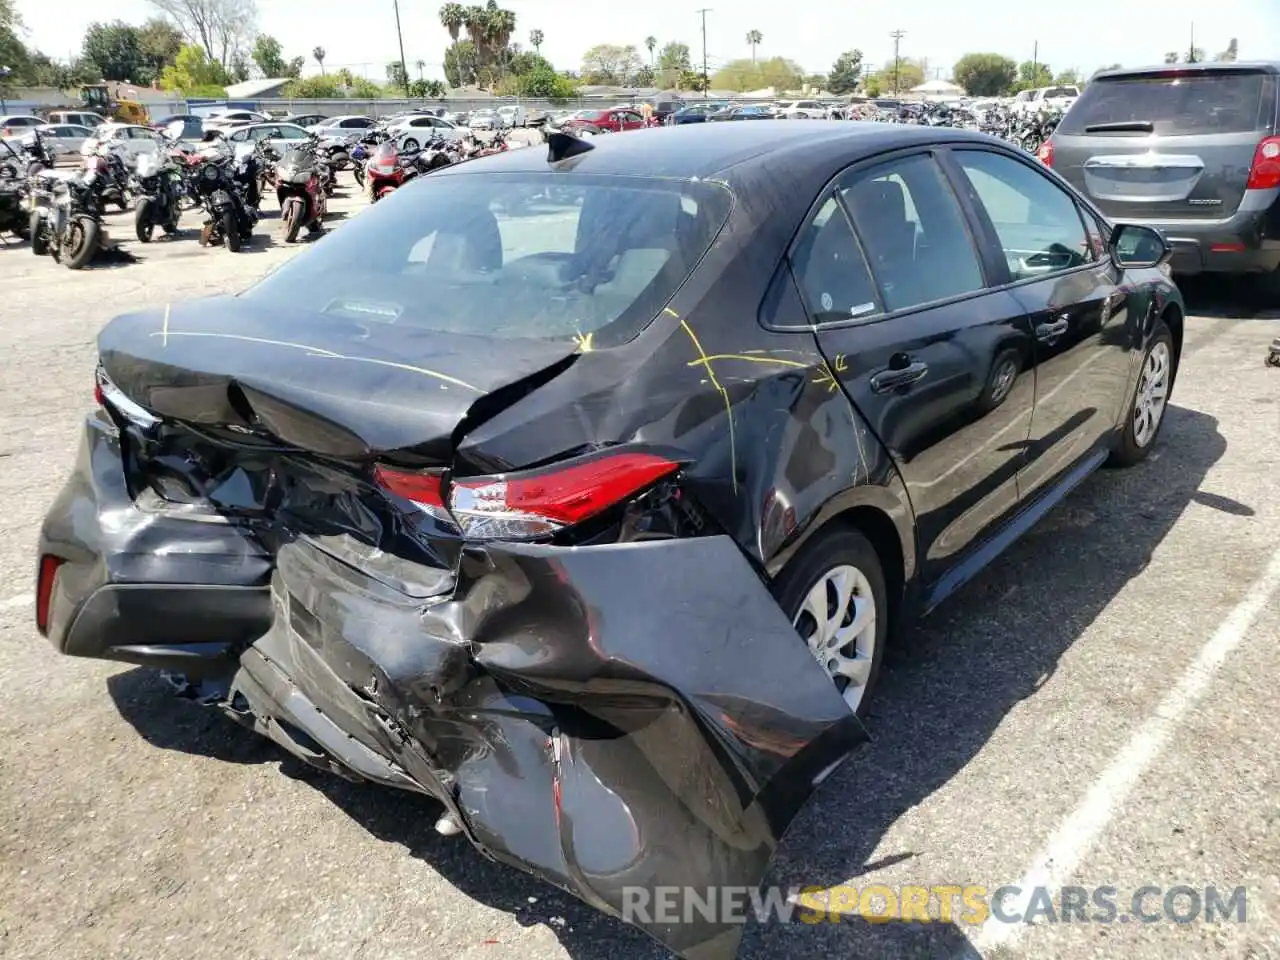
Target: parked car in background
[
  {"x": 79, "y": 118},
  {"x": 226, "y": 118},
  {"x": 342, "y": 126},
  {"x": 486, "y": 119},
  {"x": 64, "y": 139},
  {"x": 513, "y": 115},
  {"x": 134, "y": 139},
  {"x": 612, "y": 120},
  {"x": 1193, "y": 149},
  {"x": 665, "y": 108},
  {"x": 412, "y": 132},
  {"x": 532, "y": 492},
  {"x": 305, "y": 120},
  {"x": 192, "y": 125},
  {"x": 278, "y": 135},
  {"x": 693, "y": 113},
  {"x": 19, "y": 123},
  {"x": 746, "y": 111},
  {"x": 1057, "y": 97},
  {"x": 800, "y": 110}
]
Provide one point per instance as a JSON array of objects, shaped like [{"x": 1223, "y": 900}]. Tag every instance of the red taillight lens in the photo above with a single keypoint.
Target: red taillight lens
[
  {"x": 1265, "y": 172},
  {"x": 1045, "y": 153},
  {"x": 45, "y": 579},
  {"x": 538, "y": 502},
  {"x": 424, "y": 490}
]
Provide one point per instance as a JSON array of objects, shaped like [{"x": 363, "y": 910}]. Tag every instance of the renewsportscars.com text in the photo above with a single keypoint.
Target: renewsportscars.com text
[{"x": 969, "y": 905}]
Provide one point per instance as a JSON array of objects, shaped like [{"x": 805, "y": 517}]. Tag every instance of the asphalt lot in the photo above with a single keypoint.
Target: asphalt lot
[{"x": 1099, "y": 704}]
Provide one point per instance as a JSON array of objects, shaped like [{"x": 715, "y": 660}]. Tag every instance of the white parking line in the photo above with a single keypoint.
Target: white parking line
[
  {"x": 1077, "y": 834},
  {"x": 19, "y": 601}
]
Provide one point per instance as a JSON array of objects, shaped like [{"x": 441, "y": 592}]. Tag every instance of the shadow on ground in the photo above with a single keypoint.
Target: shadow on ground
[
  {"x": 1228, "y": 297},
  {"x": 944, "y": 690}
]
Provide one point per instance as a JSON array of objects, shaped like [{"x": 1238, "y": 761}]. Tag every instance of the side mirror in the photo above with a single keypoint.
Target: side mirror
[{"x": 1136, "y": 246}]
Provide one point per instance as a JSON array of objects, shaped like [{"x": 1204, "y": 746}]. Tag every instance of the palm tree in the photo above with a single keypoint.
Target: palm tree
[
  {"x": 420, "y": 64},
  {"x": 452, "y": 17},
  {"x": 651, "y": 44},
  {"x": 319, "y": 54},
  {"x": 535, "y": 40},
  {"x": 475, "y": 20},
  {"x": 754, "y": 39}
]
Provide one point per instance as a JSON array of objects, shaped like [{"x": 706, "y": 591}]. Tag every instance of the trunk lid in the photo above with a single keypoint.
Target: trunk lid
[
  {"x": 1172, "y": 144},
  {"x": 328, "y": 384}
]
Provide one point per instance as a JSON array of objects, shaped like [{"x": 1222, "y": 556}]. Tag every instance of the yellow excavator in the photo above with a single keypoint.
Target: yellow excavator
[{"x": 97, "y": 98}]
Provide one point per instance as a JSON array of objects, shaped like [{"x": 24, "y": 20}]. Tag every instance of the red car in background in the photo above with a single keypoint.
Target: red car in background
[{"x": 613, "y": 120}]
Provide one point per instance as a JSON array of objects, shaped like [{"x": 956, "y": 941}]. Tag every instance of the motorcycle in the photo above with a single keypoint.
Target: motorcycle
[
  {"x": 300, "y": 190},
  {"x": 384, "y": 172},
  {"x": 13, "y": 195},
  {"x": 66, "y": 218},
  {"x": 36, "y": 154},
  {"x": 230, "y": 217},
  {"x": 157, "y": 181},
  {"x": 362, "y": 149}
]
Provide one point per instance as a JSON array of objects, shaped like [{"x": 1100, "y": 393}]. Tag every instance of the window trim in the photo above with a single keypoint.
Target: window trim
[
  {"x": 985, "y": 223},
  {"x": 981, "y": 244}
]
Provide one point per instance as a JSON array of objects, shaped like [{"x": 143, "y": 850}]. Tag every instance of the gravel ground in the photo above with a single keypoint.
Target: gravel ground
[{"x": 136, "y": 825}]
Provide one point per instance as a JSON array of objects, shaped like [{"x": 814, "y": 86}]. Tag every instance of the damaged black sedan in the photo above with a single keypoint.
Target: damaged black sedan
[{"x": 583, "y": 489}]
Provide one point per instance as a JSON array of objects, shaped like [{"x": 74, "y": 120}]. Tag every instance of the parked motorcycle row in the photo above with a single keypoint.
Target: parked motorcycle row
[
  {"x": 1025, "y": 130},
  {"x": 381, "y": 167}
]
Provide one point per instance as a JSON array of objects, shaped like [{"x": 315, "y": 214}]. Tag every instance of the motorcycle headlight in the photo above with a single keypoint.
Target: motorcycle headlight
[{"x": 209, "y": 173}]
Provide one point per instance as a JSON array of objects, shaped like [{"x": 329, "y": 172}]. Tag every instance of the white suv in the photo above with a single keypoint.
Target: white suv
[
  {"x": 801, "y": 110},
  {"x": 1058, "y": 97}
]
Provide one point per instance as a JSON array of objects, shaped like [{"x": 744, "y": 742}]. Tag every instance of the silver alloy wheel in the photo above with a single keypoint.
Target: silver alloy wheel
[
  {"x": 1153, "y": 388},
  {"x": 838, "y": 622},
  {"x": 1002, "y": 382}
]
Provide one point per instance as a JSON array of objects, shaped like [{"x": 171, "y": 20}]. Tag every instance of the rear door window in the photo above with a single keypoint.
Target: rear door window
[
  {"x": 1177, "y": 103},
  {"x": 914, "y": 232},
  {"x": 830, "y": 270}
]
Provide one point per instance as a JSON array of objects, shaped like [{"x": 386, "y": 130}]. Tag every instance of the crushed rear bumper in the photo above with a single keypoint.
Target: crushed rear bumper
[{"x": 612, "y": 718}]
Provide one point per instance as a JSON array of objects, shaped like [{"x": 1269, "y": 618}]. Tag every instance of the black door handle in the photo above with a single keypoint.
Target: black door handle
[
  {"x": 896, "y": 377},
  {"x": 1052, "y": 331}
]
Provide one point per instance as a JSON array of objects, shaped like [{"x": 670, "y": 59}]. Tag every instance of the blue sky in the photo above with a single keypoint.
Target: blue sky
[{"x": 1083, "y": 34}]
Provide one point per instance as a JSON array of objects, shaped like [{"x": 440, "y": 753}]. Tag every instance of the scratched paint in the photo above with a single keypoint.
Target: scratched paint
[{"x": 705, "y": 362}]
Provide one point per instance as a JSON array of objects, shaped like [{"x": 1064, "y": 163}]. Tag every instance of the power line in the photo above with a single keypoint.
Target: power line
[{"x": 706, "y": 80}]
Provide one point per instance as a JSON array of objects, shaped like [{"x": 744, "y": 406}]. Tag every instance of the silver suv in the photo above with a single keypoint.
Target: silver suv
[{"x": 1191, "y": 149}]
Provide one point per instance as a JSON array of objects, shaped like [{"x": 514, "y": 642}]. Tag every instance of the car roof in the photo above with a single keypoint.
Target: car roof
[
  {"x": 1211, "y": 66},
  {"x": 809, "y": 151}
]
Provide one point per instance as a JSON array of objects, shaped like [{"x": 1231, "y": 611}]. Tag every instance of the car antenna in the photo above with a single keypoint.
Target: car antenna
[{"x": 562, "y": 146}]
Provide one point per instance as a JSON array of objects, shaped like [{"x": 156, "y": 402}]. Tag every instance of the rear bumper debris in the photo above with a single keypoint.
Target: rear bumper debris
[{"x": 611, "y": 719}]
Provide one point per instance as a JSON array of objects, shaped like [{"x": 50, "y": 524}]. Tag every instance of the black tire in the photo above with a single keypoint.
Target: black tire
[
  {"x": 123, "y": 202},
  {"x": 142, "y": 222},
  {"x": 832, "y": 547},
  {"x": 1004, "y": 372},
  {"x": 39, "y": 242},
  {"x": 1129, "y": 450},
  {"x": 231, "y": 231},
  {"x": 291, "y": 219},
  {"x": 84, "y": 233}
]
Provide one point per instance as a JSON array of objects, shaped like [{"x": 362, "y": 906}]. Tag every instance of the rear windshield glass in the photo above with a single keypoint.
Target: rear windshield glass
[
  {"x": 1174, "y": 105},
  {"x": 510, "y": 256}
]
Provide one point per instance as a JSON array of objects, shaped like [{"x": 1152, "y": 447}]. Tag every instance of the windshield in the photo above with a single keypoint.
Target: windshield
[
  {"x": 511, "y": 256},
  {"x": 1177, "y": 104}
]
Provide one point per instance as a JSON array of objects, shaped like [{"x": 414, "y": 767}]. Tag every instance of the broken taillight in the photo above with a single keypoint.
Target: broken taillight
[
  {"x": 529, "y": 503},
  {"x": 107, "y": 394},
  {"x": 46, "y": 576},
  {"x": 1045, "y": 153}
]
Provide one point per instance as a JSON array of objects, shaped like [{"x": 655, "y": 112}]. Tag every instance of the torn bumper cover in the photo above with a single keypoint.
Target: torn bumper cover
[{"x": 609, "y": 718}]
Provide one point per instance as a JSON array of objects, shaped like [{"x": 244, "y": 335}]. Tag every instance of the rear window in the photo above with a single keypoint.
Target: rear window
[
  {"x": 510, "y": 256},
  {"x": 1060, "y": 92},
  {"x": 1178, "y": 104}
]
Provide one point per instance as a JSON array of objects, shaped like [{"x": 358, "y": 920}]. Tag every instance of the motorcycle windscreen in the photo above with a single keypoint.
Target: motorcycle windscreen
[{"x": 690, "y": 724}]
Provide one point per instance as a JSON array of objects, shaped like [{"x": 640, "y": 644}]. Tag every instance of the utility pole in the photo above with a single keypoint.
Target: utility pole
[
  {"x": 706, "y": 81},
  {"x": 1035, "y": 61},
  {"x": 897, "y": 62},
  {"x": 404, "y": 68},
  {"x": 1191, "y": 52}
]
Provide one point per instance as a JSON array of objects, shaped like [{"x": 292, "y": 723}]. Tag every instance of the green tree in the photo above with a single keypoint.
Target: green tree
[
  {"x": 460, "y": 64},
  {"x": 645, "y": 77},
  {"x": 314, "y": 88},
  {"x": 238, "y": 72},
  {"x": 221, "y": 27},
  {"x": 845, "y": 72},
  {"x": 651, "y": 44},
  {"x": 673, "y": 64},
  {"x": 194, "y": 74},
  {"x": 114, "y": 49},
  {"x": 985, "y": 74},
  {"x": 452, "y": 16},
  {"x": 267, "y": 54},
  {"x": 743, "y": 75},
  {"x": 427, "y": 89},
  {"x": 319, "y": 54},
  {"x": 543, "y": 82},
  {"x": 873, "y": 86},
  {"x": 535, "y": 40},
  {"x": 159, "y": 42},
  {"x": 754, "y": 39},
  {"x": 1192, "y": 55},
  {"x": 1032, "y": 75},
  {"x": 1231, "y": 54},
  {"x": 396, "y": 77},
  {"x": 902, "y": 76},
  {"x": 610, "y": 64},
  {"x": 692, "y": 80},
  {"x": 816, "y": 81},
  {"x": 1068, "y": 77},
  {"x": 363, "y": 88}
]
